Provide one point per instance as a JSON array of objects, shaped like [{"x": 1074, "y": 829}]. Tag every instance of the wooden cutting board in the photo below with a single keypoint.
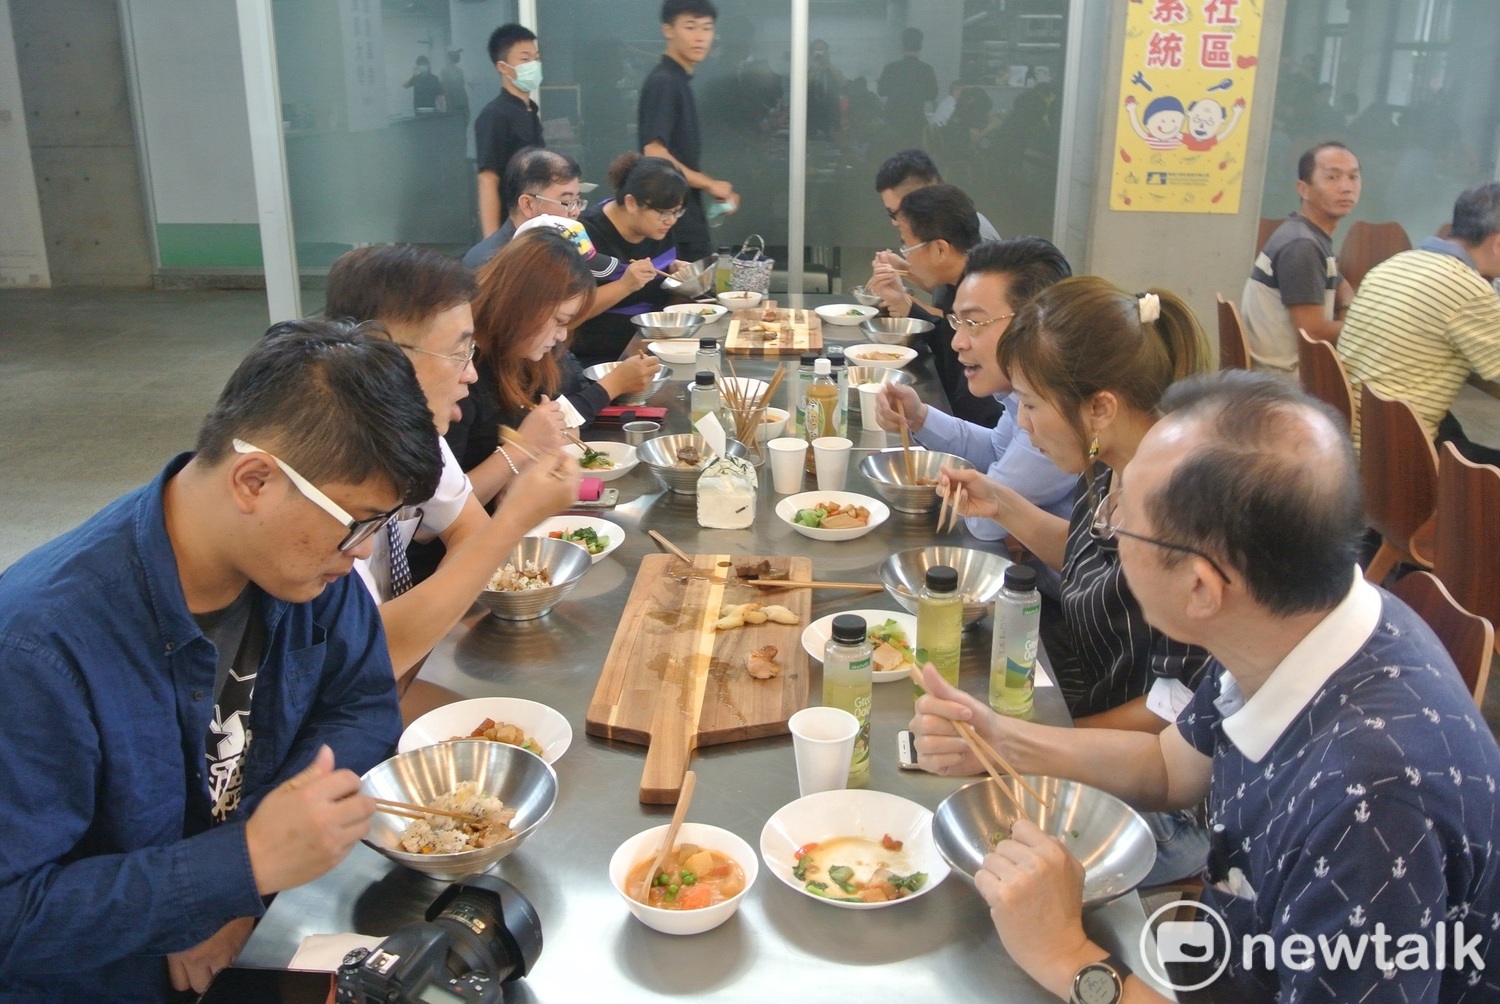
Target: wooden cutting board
[
  {"x": 801, "y": 331},
  {"x": 672, "y": 681}
]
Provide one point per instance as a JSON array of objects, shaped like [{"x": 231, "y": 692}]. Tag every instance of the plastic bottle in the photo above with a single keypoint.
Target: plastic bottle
[
  {"x": 708, "y": 357},
  {"x": 820, "y": 408},
  {"x": 797, "y": 388},
  {"x": 723, "y": 274},
  {"x": 704, "y": 395},
  {"x": 848, "y": 684},
  {"x": 841, "y": 377},
  {"x": 1018, "y": 618},
  {"x": 940, "y": 623}
]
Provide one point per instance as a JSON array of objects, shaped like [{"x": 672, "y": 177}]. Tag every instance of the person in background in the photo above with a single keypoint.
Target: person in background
[
  {"x": 667, "y": 119},
  {"x": 907, "y": 85},
  {"x": 422, "y": 299},
  {"x": 425, "y": 87},
  {"x": 537, "y": 182},
  {"x": 1346, "y": 767},
  {"x": 1295, "y": 282},
  {"x": 136, "y": 650},
  {"x": 906, "y": 171},
  {"x": 940, "y": 115},
  {"x": 509, "y": 122},
  {"x": 1425, "y": 319},
  {"x": 825, "y": 86},
  {"x": 635, "y": 226},
  {"x": 455, "y": 87},
  {"x": 938, "y": 226}
]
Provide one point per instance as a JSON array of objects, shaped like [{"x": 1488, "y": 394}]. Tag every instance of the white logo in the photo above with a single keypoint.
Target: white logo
[{"x": 1185, "y": 941}]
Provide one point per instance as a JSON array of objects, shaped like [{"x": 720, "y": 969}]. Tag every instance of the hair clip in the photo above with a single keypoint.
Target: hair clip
[{"x": 1150, "y": 305}]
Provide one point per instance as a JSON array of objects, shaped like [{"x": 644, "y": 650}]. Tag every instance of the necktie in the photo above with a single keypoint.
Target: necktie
[{"x": 400, "y": 570}]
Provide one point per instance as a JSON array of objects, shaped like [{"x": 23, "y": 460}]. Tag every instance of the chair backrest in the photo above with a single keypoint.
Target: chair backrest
[
  {"x": 1397, "y": 467},
  {"x": 1322, "y": 374},
  {"x": 1469, "y": 638},
  {"x": 1466, "y": 550},
  {"x": 1367, "y": 245},
  {"x": 1268, "y": 225},
  {"x": 1234, "y": 351}
]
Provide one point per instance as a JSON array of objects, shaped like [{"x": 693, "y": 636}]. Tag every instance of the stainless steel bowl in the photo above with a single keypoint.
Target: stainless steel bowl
[
  {"x": 660, "y": 454},
  {"x": 863, "y": 296},
  {"x": 663, "y": 374},
  {"x": 699, "y": 279},
  {"x": 565, "y": 562},
  {"x": 886, "y": 473},
  {"x": 878, "y": 374},
  {"x": 667, "y": 324},
  {"x": 522, "y": 780},
  {"x": 894, "y": 330},
  {"x": 1109, "y": 837},
  {"x": 980, "y": 576}
]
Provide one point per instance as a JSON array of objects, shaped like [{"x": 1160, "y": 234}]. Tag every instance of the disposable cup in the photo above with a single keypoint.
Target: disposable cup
[
  {"x": 788, "y": 457},
  {"x": 869, "y": 393},
  {"x": 831, "y": 460},
  {"x": 823, "y": 741}
]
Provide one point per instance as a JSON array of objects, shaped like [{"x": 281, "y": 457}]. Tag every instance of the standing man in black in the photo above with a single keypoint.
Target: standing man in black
[
  {"x": 908, "y": 85},
  {"x": 510, "y": 122},
  {"x": 667, "y": 119}
]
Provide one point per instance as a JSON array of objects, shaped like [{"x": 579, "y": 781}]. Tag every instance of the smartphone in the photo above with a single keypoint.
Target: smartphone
[
  {"x": 608, "y": 499},
  {"x": 906, "y": 750}
]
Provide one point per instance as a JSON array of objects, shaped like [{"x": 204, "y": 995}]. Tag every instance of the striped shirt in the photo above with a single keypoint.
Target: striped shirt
[
  {"x": 1109, "y": 654},
  {"x": 1419, "y": 324}
]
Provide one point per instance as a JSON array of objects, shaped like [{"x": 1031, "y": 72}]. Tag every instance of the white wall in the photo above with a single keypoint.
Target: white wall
[{"x": 23, "y": 248}]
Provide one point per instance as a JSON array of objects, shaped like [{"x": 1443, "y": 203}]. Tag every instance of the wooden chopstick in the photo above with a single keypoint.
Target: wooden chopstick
[
  {"x": 972, "y": 740},
  {"x": 517, "y": 440},
  {"x": 664, "y": 542},
  {"x": 423, "y": 810},
  {"x": 793, "y": 584},
  {"x": 911, "y": 464},
  {"x": 684, "y": 797}
]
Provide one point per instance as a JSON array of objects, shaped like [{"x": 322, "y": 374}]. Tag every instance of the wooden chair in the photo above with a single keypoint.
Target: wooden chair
[
  {"x": 1234, "y": 351},
  {"x": 1466, "y": 549},
  {"x": 1469, "y": 638},
  {"x": 1398, "y": 473},
  {"x": 1323, "y": 376},
  {"x": 1367, "y": 245},
  {"x": 1268, "y": 225}
]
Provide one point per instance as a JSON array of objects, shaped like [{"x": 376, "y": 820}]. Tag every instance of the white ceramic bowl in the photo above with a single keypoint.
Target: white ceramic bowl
[
  {"x": 647, "y": 843},
  {"x": 787, "y": 508},
  {"x": 891, "y": 357},
  {"x": 845, "y": 315},
  {"x": 815, "y": 636},
  {"x": 853, "y": 812},
  {"x": 710, "y": 312},
  {"x": 547, "y": 727},
  {"x": 749, "y": 389},
  {"x": 773, "y": 426},
  {"x": 562, "y": 524},
  {"x": 740, "y": 299},
  {"x": 680, "y": 353},
  {"x": 623, "y": 454}
]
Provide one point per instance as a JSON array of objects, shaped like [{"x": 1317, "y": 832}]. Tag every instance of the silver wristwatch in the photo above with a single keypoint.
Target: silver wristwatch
[{"x": 1101, "y": 982}]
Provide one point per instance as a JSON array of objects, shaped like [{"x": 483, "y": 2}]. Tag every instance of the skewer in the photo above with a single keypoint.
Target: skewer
[
  {"x": 664, "y": 542},
  {"x": 423, "y": 810},
  {"x": 867, "y": 587}
]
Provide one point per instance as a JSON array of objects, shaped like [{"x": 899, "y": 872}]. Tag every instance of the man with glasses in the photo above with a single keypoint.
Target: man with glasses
[
  {"x": 1348, "y": 772},
  {"x": 421, "y": 298},
  {"x": 537, "y": 182},
  {"x": 193, "y": 684},
  {"x": 905, "y": 171}
]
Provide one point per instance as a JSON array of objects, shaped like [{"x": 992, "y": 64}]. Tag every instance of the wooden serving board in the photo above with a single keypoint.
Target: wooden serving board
[
  {"x": 672, "y": 681},
  {"x": 801, "y": 331}
]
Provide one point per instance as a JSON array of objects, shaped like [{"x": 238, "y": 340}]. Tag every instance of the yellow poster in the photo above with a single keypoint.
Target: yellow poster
[{"x": 1184, "y": 113}]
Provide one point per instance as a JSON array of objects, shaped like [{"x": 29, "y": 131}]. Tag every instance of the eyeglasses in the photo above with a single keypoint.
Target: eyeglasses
[
  {"x": 463, "y": 357},
  {"x": 908, "y": 250},
  {"x": 1105, "y": 528},
  {"x": 569, "y": 206},
  {"x": 360, "y": 530},
  {"x": 667, "y": 215},
  {"x": 955, "y": 322}
]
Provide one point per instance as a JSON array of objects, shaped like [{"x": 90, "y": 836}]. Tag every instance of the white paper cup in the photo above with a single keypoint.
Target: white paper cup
[
  {"x": 869, "y": 393},
  {"x": 788, "y": 458},
  {"x": 831, "y": 459},
  {"x": 823, "y": 741}
]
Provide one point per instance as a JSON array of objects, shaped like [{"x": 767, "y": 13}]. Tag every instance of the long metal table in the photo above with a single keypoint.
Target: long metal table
[{"x": 781, "y": 943}]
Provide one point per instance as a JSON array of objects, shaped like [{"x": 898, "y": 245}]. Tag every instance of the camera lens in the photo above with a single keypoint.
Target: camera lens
[{"x": 494, "y": 929}]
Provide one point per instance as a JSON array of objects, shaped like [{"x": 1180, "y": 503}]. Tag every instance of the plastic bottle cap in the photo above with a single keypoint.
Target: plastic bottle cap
[
  {"x": 838, "y": 361},
  {"x": 836, "y": 353},
  {"x": 822, "y": 367},
  {"x": 708, "y": 343},
  {"x": 942, "y": 579},
  {"x": 849, "y": 629},
  {"x": 704, "y": 379},
  {"x": 807, "y": 359},
  {"x": 1020, "y": 578}
]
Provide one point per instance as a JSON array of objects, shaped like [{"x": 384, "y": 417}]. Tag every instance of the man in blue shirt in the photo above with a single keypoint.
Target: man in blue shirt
[
  {"x": 186, "y": 670},
  {"x": 1349, "y": 775}
]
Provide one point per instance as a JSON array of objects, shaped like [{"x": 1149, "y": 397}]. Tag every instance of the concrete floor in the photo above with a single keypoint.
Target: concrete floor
[{"x": 99, "y": 388}]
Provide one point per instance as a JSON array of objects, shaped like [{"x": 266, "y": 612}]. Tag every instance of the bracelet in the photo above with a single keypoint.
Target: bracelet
[{"x": 509, "y": 462}]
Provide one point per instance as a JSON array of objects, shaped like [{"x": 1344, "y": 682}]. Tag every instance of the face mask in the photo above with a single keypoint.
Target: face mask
[{"x": 529, "y": 76}]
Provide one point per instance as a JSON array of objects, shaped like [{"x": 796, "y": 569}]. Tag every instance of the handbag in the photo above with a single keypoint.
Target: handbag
[{"x": 750, "y": 269}]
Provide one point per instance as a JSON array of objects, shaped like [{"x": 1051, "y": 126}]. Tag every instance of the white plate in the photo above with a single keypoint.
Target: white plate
[
  {"x": 787, "y": 508},
  {"x": 845, "y": 314},
  {"x": 815, "y": 636},
  {"x": 854, "y": 812},
  {"x": 623, "y": 454},
  {"x": 868, "y": 355},
  {"x": 602, "y": 527},
  {"x": 710, "y": 312},
  {"x": 681, "y": 352},
  {"x": 541, "y": 723}
]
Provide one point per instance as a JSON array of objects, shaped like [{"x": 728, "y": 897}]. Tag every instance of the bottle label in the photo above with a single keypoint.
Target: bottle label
[{"x": 860, "y": 665}]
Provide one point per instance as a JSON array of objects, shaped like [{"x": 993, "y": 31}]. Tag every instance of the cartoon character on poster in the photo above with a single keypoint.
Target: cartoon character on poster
[
  {"x": 1162, "y": 126},
  {"x": 1207, "y": 123}
]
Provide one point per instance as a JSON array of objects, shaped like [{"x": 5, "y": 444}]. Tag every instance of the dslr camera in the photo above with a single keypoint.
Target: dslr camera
[{"x": 478, "y": 935}]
